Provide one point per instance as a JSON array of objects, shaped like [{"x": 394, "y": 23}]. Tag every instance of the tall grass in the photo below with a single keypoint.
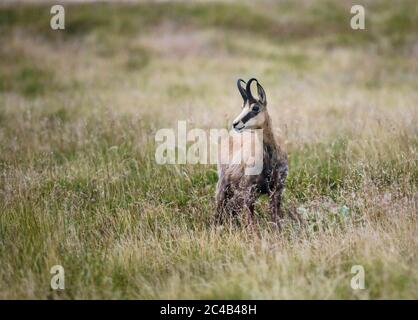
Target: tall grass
[{"x": 79, "y": 185}]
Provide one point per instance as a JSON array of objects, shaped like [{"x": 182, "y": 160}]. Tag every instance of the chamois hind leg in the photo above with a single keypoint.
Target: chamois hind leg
[
  {"x": 275, "y": 200},
  {"x": 249, "y": 207},
  {"x": 220, "y": 204},
  {"x": 275, "y": 197}
]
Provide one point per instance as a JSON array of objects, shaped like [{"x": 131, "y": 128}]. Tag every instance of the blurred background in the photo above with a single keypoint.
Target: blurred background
[{"x": 183, "y": 58}]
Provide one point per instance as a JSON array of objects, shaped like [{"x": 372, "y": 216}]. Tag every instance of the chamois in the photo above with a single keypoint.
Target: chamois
[{"x": 237, "y": 190}]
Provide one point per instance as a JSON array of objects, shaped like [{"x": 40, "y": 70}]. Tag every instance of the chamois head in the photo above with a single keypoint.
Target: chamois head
[{"x": 254, "y": 111}]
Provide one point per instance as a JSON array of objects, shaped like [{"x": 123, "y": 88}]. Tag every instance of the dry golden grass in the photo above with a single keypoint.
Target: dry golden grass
[{"x": 79, "y": 185}]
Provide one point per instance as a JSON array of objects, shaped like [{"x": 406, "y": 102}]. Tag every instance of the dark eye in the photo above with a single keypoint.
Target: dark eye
[{"x": 256, "y": 108}]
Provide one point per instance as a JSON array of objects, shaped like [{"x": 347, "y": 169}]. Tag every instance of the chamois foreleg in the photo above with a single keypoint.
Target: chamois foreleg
[
  {"x": 249, "y": 205},
  {"x": 223, "y": 197}
]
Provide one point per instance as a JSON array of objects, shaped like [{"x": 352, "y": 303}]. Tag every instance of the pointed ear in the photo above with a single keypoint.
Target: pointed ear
[
  {"x": 261, "y": 94},
  {"x": 242, "y": 90},
  {"x": 248, "y": 89}
]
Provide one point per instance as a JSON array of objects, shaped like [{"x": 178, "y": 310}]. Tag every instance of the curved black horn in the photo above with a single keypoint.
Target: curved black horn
[
  {"x": 242, "y": 90},
  {"x": 248, "y": 89}
]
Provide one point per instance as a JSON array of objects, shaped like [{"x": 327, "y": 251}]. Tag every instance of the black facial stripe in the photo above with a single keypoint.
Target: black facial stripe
[{"x": 248, "y": 116}]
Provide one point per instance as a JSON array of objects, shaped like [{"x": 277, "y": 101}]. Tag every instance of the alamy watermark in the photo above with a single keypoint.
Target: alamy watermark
[
  {"x": 57, "y": 21},
  {"x": 58, "y": 278},
  {"x": 358, "y": 280},
  {"x": 216, "y": 146},
  {"x": 358, "y": 20}
]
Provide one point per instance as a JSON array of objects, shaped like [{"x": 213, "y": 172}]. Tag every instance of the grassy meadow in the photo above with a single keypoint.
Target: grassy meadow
[{"x": 80, "y": 187}]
